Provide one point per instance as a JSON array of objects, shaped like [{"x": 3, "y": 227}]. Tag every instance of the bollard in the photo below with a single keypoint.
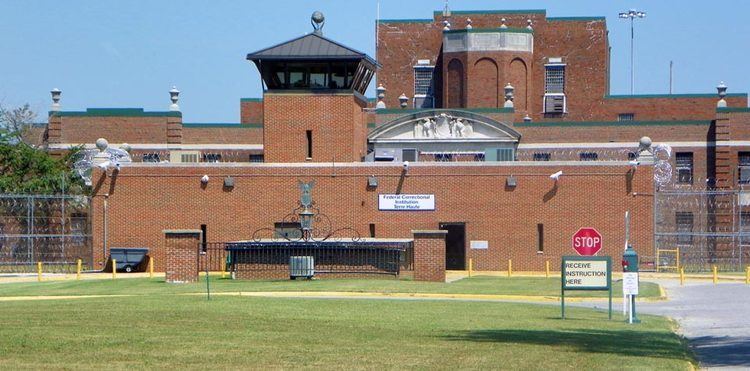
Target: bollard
[
  {"x": 716, "y": 278},
  {"x": 747, "y": 275},
  {"x": 223, "y": 271},
  {"x": 547, "y": 269},
  {"x": 682, "y": 276},
  {"x": 150, "y": 267},
  {"x": 78, "y": 270},
  {"x": 39, "y": 271},
  {"x": 471, "y": 266},
  {"x": 510, "y": 267},
  {"x": 114, "y": 268}
]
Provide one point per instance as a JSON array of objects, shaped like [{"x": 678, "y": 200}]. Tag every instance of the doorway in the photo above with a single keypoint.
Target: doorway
[{"x": 455, "y": 245}]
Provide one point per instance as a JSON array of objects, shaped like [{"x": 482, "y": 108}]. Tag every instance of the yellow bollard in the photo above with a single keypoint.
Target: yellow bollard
[
  {"x": 150, "y": 267},
  {"x": 510, "y": 267},
  {"x": 78, "y": 270},
  {"x": 747, "y": 275},
  {"x": 39, "y": 271},
  {"x": 716, "y": 278},
  {"x": 223, "y": 270},
  {"x": 682, "y": 276},
  {"x": 547, "y": 269},
  {"x": 471, "y": 266},
  {"x": 114, "y": 268}
]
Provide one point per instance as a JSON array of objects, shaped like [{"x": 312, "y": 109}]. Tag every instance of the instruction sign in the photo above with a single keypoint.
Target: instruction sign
[
  {"x": 630, "y": 283},
  {"x": 586, "y": 273},
  {"x": 402, "y": 202}
]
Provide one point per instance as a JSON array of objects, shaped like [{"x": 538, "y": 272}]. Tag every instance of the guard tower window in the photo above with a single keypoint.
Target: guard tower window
[
  {"x": 554, "y": 87},
  {"x": 684, "y": 224},
  {"x": 744, "y": 167},
  {"x": 684, "y": 167},
  {"x": 423, "y": 84}
]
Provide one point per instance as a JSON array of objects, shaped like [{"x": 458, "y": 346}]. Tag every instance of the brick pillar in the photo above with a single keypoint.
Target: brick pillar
[
  {"x": 174, "y": 129},
  {"x": 181, "y": 248},
  {"x": 54, "y": 129},
  {"x": 429, "y": 255}
]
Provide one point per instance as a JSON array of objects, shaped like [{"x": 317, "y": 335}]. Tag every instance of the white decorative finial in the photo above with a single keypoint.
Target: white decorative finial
[
  {"x": 381, "y": 95},
  {"x": 509, "y": 96},
  {"x": 502, "y": 24},
  {"x": 446, "y": 25},
  {"x": 174, "y": 95},
  {"x": 403, "y": 100},
  {"x": 55, "y": 99},
  {"x": 722, "y": 89},
  {"x": 527, "y": 118},
  {"x": 528, "y": 24},
  {"x": 318, "y": 20},
  {"x": 468, "y": 24}
]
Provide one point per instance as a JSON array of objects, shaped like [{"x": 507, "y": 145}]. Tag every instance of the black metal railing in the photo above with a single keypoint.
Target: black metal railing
[{"x": 328, "y": 257}]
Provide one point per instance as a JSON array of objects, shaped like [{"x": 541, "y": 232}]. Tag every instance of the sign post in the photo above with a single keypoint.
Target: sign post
[
  {"x": 592, "y": 273},
  {"x": 630, "y": 289}
]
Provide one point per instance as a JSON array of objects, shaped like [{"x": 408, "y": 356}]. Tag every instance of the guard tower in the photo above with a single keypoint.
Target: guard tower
[{"x": 313, "y": 98}]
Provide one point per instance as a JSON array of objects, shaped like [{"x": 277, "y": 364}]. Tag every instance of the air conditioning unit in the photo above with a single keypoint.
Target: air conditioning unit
[
  {"x": 423, "y": 101},
  {"x": 555, "y": 103},
  {"x": 301, "y": 266}
]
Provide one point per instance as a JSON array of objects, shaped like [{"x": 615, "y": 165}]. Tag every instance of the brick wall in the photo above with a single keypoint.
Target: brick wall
[
  {"x": 117, "y": 129},
  {"x": 145, "y": 199},
  {"x": 336, "y": 121},
  {"x": 181, "y": 250},
  {"x": 251, "y": 111},
  {"x": 222, "y": 134},
  {"x": 429, "y": 255}
]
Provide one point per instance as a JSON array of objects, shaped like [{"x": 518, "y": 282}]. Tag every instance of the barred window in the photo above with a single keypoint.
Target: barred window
[
  {"x": 423, "y": 80},
  {"x": 744, "y": 222},
  {"x": 542, "y": 156},
  {"x": 684, "y": 162},
  {"x": 684, "y": 224},
  {"x": 588, "y": 156},
  {"x": 443, "y": 157},
  {"x": 626, "y": 117},
  {"x": 554, "y": 78},
  {"x": 505, "y": 154},
  {"x": 744, "y": 167},
  {"x": 256, "y": 158}
]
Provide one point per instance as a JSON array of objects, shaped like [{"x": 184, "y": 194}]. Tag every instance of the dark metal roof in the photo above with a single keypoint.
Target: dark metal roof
[{"x": 310, "y": 46}]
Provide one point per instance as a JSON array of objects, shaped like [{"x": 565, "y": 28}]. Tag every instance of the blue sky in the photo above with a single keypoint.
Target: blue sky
[{"x": 129, "y": 53}]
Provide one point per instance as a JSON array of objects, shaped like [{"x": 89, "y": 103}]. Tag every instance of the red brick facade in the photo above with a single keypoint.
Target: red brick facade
[
  {"x": 429, "y": 255},
  {"x": 181, "y": 253}
]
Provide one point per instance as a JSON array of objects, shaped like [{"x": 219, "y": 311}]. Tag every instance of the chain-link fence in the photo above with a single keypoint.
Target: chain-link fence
[
  {"x": 52, "y": 229},
  {"x": 708, "y": 227}
]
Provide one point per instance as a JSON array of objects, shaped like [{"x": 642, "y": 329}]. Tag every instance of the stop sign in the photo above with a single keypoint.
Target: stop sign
[{"x": 587, "y": 241}]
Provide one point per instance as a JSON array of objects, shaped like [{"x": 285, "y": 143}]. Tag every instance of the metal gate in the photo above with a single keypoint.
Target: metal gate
[
  {"x": 52, "y": 229},
  {"x": 708, "y": 227}
]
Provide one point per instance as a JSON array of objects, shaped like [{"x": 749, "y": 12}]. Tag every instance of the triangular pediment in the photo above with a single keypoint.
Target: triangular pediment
[{"x": 444, "y": 125}]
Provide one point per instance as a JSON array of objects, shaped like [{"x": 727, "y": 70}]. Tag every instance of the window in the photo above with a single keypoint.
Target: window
[
  {"x": 151, "y": 157},
  {"x": 479, "y": 157},
  {"x": 309, "y": 144},
  {"x": 744, "y": 167},
  {"x": 372, "y": 230},
  {"x": 211, "y": 157},
  {"x": 684, "y": 224},
  {"x": 423, "y": 95},
  {"x": 684, "y": 162},
  {"x": 626, "y": 117},
  {"x": 745, "y": 224},
  {"x": 505, "y": 154},
  {"x": 443, "y": 157},
  {"x": 256, "y": 158},
  {"x": 540, "y": 238},
  {"x": 542, "y": 156},
  {"x": 409, "y": 154},
  {"x": 554, "y": 88},
  {"x": 588, "y": 156}
]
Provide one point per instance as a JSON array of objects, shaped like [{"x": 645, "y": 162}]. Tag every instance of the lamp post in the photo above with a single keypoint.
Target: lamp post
[
  {"x": 306, "y": 221},
  {"x": 632, "y": 14}
]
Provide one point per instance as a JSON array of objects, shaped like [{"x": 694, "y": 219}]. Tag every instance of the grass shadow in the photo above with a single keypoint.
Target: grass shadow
[{"x": 622, "y": 342}]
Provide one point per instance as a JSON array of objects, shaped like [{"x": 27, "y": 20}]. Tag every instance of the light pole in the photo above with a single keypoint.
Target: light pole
[{"x": 632, "y": 14}]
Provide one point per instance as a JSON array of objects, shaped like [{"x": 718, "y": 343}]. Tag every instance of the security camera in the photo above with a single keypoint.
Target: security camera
[
  {"x": 104, "y": 165},
  {"x": 634, "y": 162},
  {"x": 406, "y": 165},
  {"x": 556, "y": 175},
  {"x": 204, "y": 179}
]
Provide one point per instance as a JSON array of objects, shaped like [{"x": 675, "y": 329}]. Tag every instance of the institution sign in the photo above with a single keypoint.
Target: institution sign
[{"x": 402, "y": 202}]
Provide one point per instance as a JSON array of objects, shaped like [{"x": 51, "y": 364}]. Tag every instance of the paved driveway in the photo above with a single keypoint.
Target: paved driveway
[{"x": 714, "y": 318}]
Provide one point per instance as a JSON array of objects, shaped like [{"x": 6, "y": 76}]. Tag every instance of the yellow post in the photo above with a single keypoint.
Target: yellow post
[
  {"x": 150, "y": 267},
  {"x": 747, "y": 275},
  {"x": 716, "y": 272},
  {"x": 223, "y": 270},
  {"x": 78, "y": 270},
  {"x": 114, "y": 268},
  {"x": 471, "y": 266},
  {"x": 682, "y": 276},
  {"x": 39, "y": 271},
  {"x": 510, "y": 267},
  {"x": 547, "y": 269}
]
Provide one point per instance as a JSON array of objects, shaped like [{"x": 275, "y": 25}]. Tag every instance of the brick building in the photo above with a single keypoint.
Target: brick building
[{"x": 475, "y": 109}]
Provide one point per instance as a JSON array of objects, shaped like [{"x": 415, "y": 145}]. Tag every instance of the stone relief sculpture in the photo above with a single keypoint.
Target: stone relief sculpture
[{"x": 443, "y": 126}]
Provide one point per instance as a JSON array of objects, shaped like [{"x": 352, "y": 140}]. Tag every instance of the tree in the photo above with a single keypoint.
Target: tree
[
  {"x": 25, "y": 169},
  {"x": 16, "y": 122}
]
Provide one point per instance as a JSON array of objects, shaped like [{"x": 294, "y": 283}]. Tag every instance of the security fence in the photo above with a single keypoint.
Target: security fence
[
  {"x": 706, "y": 226},
  {"x": 51, "y": 229}
]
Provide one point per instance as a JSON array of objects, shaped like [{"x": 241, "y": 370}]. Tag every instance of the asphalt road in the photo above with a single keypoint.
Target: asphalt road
[{"x": 714, "y": 318}]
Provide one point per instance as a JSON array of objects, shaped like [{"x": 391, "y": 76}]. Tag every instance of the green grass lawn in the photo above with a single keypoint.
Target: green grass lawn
[
  {"x": 189, "y": 332},
  {"x": 475, "y": 285}
]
